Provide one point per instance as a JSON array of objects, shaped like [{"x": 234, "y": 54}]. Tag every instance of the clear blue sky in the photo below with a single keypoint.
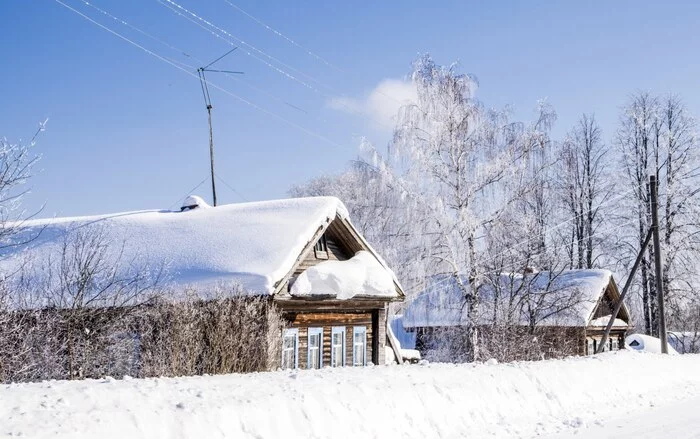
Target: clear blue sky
[{"x": 129, "y": 132}]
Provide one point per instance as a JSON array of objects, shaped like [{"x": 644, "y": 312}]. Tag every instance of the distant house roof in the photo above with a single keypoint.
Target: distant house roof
[
  {"x": 576, "y": 293},
  {"x": 254, "y": 244}
]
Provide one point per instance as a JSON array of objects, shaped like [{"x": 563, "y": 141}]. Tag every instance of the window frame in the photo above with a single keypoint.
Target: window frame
[
  {"x": 590, "y": 346},
  {"x": 286, "y": 333},
  {"x": 359, "y": 330},
  {"x": 321, "y": 248},
  {"x": 339, "y": 330},
  {"x": 312, "y": 332}
]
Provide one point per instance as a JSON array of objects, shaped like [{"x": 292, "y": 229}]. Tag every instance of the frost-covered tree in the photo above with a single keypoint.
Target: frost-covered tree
[
  {"x": 657, "y": 137},
  {"x": 583, "y": 186}
]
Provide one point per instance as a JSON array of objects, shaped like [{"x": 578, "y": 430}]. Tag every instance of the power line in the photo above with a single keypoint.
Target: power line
[
  {"x": 188, "y": 55},
  {"x": 168, "y": 61},
  {"x": 241, "y": 42},
  {"x": 142, "y": 32},
  {"x": 198, "y": 20},
  {"x": 280, "y": 34}
]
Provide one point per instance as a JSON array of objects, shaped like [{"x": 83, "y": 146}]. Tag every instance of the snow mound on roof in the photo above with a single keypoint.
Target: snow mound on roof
[
  {"x": 251, "y": 244},
  {"x": 194, "y": 200},
  {"x": 603, "y": 322},
  {"x": 361, "y": 275},
  {"x": 443, "y": 304},
  {"x": 646, "y": 343}
]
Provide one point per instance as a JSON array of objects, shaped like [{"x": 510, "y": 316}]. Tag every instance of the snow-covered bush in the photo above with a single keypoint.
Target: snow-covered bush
[
  {"x": 231, "y": 332},
  {"x": 87, "y": 312}
]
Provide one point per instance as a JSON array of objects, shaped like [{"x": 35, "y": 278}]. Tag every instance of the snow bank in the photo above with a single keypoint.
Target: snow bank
[
  {"x": 646, "y": 343},
  {"x": 360, "y": 275},
  {"x": 252, "y": 244},
  {"x": 436, "y": 400}
]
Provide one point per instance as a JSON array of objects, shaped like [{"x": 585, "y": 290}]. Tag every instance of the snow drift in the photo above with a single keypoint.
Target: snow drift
[{"x": 436, "y": 400}]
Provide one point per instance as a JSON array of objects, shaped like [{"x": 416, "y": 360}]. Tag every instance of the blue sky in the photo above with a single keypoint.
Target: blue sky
[{"x": 128, "y": 131}]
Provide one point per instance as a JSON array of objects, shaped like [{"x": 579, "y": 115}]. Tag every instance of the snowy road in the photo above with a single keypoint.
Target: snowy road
[{"x": 679, "y": 420}]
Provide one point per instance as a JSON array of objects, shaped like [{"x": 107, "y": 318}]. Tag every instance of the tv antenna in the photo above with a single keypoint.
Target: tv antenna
[{"x": 207, "y": 102}]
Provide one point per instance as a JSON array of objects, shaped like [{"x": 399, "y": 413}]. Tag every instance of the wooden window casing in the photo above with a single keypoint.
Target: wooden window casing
[
  {"x": 315, "y": 348},
  {"x": 359, "y": 346},
  {"x": 290, "y": 348},
  {"x": 338, "y": 346}
]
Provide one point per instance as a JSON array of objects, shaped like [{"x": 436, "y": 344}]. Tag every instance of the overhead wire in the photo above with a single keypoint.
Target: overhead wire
[
  {"x": 214, "y": 85},
  {"x": 181, "y": 199},
  {"x": 280, "y": 34},
  {"x": 243, "y": 43},
  {"x": 307, "y": 131},
  {"x": 231, "y": 187},
  {"x": 217, "y": 31},
  {"x": 190, "y": 56}
]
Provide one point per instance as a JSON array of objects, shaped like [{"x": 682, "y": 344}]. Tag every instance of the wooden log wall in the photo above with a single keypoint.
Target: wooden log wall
[{"x": 327, "y": 321}]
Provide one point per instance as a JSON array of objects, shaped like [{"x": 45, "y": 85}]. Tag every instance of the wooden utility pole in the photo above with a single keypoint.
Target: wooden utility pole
[
  {"x": 207, "y": 101},
  {"x": 654, "y": 197},
  {"x": 616, "y": 311}
]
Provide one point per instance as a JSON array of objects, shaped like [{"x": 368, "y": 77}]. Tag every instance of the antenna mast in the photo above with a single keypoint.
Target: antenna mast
[{"x": 207, "y": 102}]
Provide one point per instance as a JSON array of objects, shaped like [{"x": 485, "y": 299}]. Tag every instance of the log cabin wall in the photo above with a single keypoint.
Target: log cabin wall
[{"x": 304, "y": 321}]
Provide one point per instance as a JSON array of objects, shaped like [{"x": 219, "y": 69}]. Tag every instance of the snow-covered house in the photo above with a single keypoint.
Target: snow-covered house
[
  {"x": 331, "y": 286},
  {"x": 573, "y": 304}
]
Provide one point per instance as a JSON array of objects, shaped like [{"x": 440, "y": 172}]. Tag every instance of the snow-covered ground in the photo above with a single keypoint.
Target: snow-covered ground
[{"x": 558, "y": 398}]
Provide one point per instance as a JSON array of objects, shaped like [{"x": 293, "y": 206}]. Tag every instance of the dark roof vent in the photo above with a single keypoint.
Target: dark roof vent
[{"x": 193, "y": 202}]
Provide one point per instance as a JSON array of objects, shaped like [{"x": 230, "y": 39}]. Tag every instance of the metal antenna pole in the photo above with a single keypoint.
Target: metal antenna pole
[
  {"x": 207, "y": 101},
  {"x": 654, "y": 196}
]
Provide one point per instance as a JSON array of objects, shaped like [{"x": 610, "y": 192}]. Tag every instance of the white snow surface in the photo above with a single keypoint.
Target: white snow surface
[
  {"x": 252, "y": 244},
  {"x": 526, "y": 399},
  {"x": 442, "y": 303},
  {"x": 360, "y": 275}
]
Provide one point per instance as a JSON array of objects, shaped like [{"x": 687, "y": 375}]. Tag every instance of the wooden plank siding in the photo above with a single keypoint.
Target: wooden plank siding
[{"x": 327, "y": 321}]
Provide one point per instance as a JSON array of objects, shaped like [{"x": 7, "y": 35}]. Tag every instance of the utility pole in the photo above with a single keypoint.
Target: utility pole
[
  {"x": 628, "y": 283},
  {"x": 207, "y": 102},
  {"x": 654, "y": 197}
]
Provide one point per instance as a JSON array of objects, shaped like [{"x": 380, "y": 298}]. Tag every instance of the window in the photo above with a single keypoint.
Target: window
[
  {"x": 590, "y": 346},
  {"x": 359, "y": 346},
  {"x": 315, "y": 348},
  {"x": 321, "y": 248},
  {"x": 290, "y": 343},
  {"x": 614, "y": 345},
  {"x": 338, "y": 346}
]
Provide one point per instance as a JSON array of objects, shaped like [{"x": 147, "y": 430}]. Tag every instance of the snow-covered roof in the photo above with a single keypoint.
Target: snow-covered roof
[
  {"x": 575, "y": 293},
  {"x": 254, "y": 244}
]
